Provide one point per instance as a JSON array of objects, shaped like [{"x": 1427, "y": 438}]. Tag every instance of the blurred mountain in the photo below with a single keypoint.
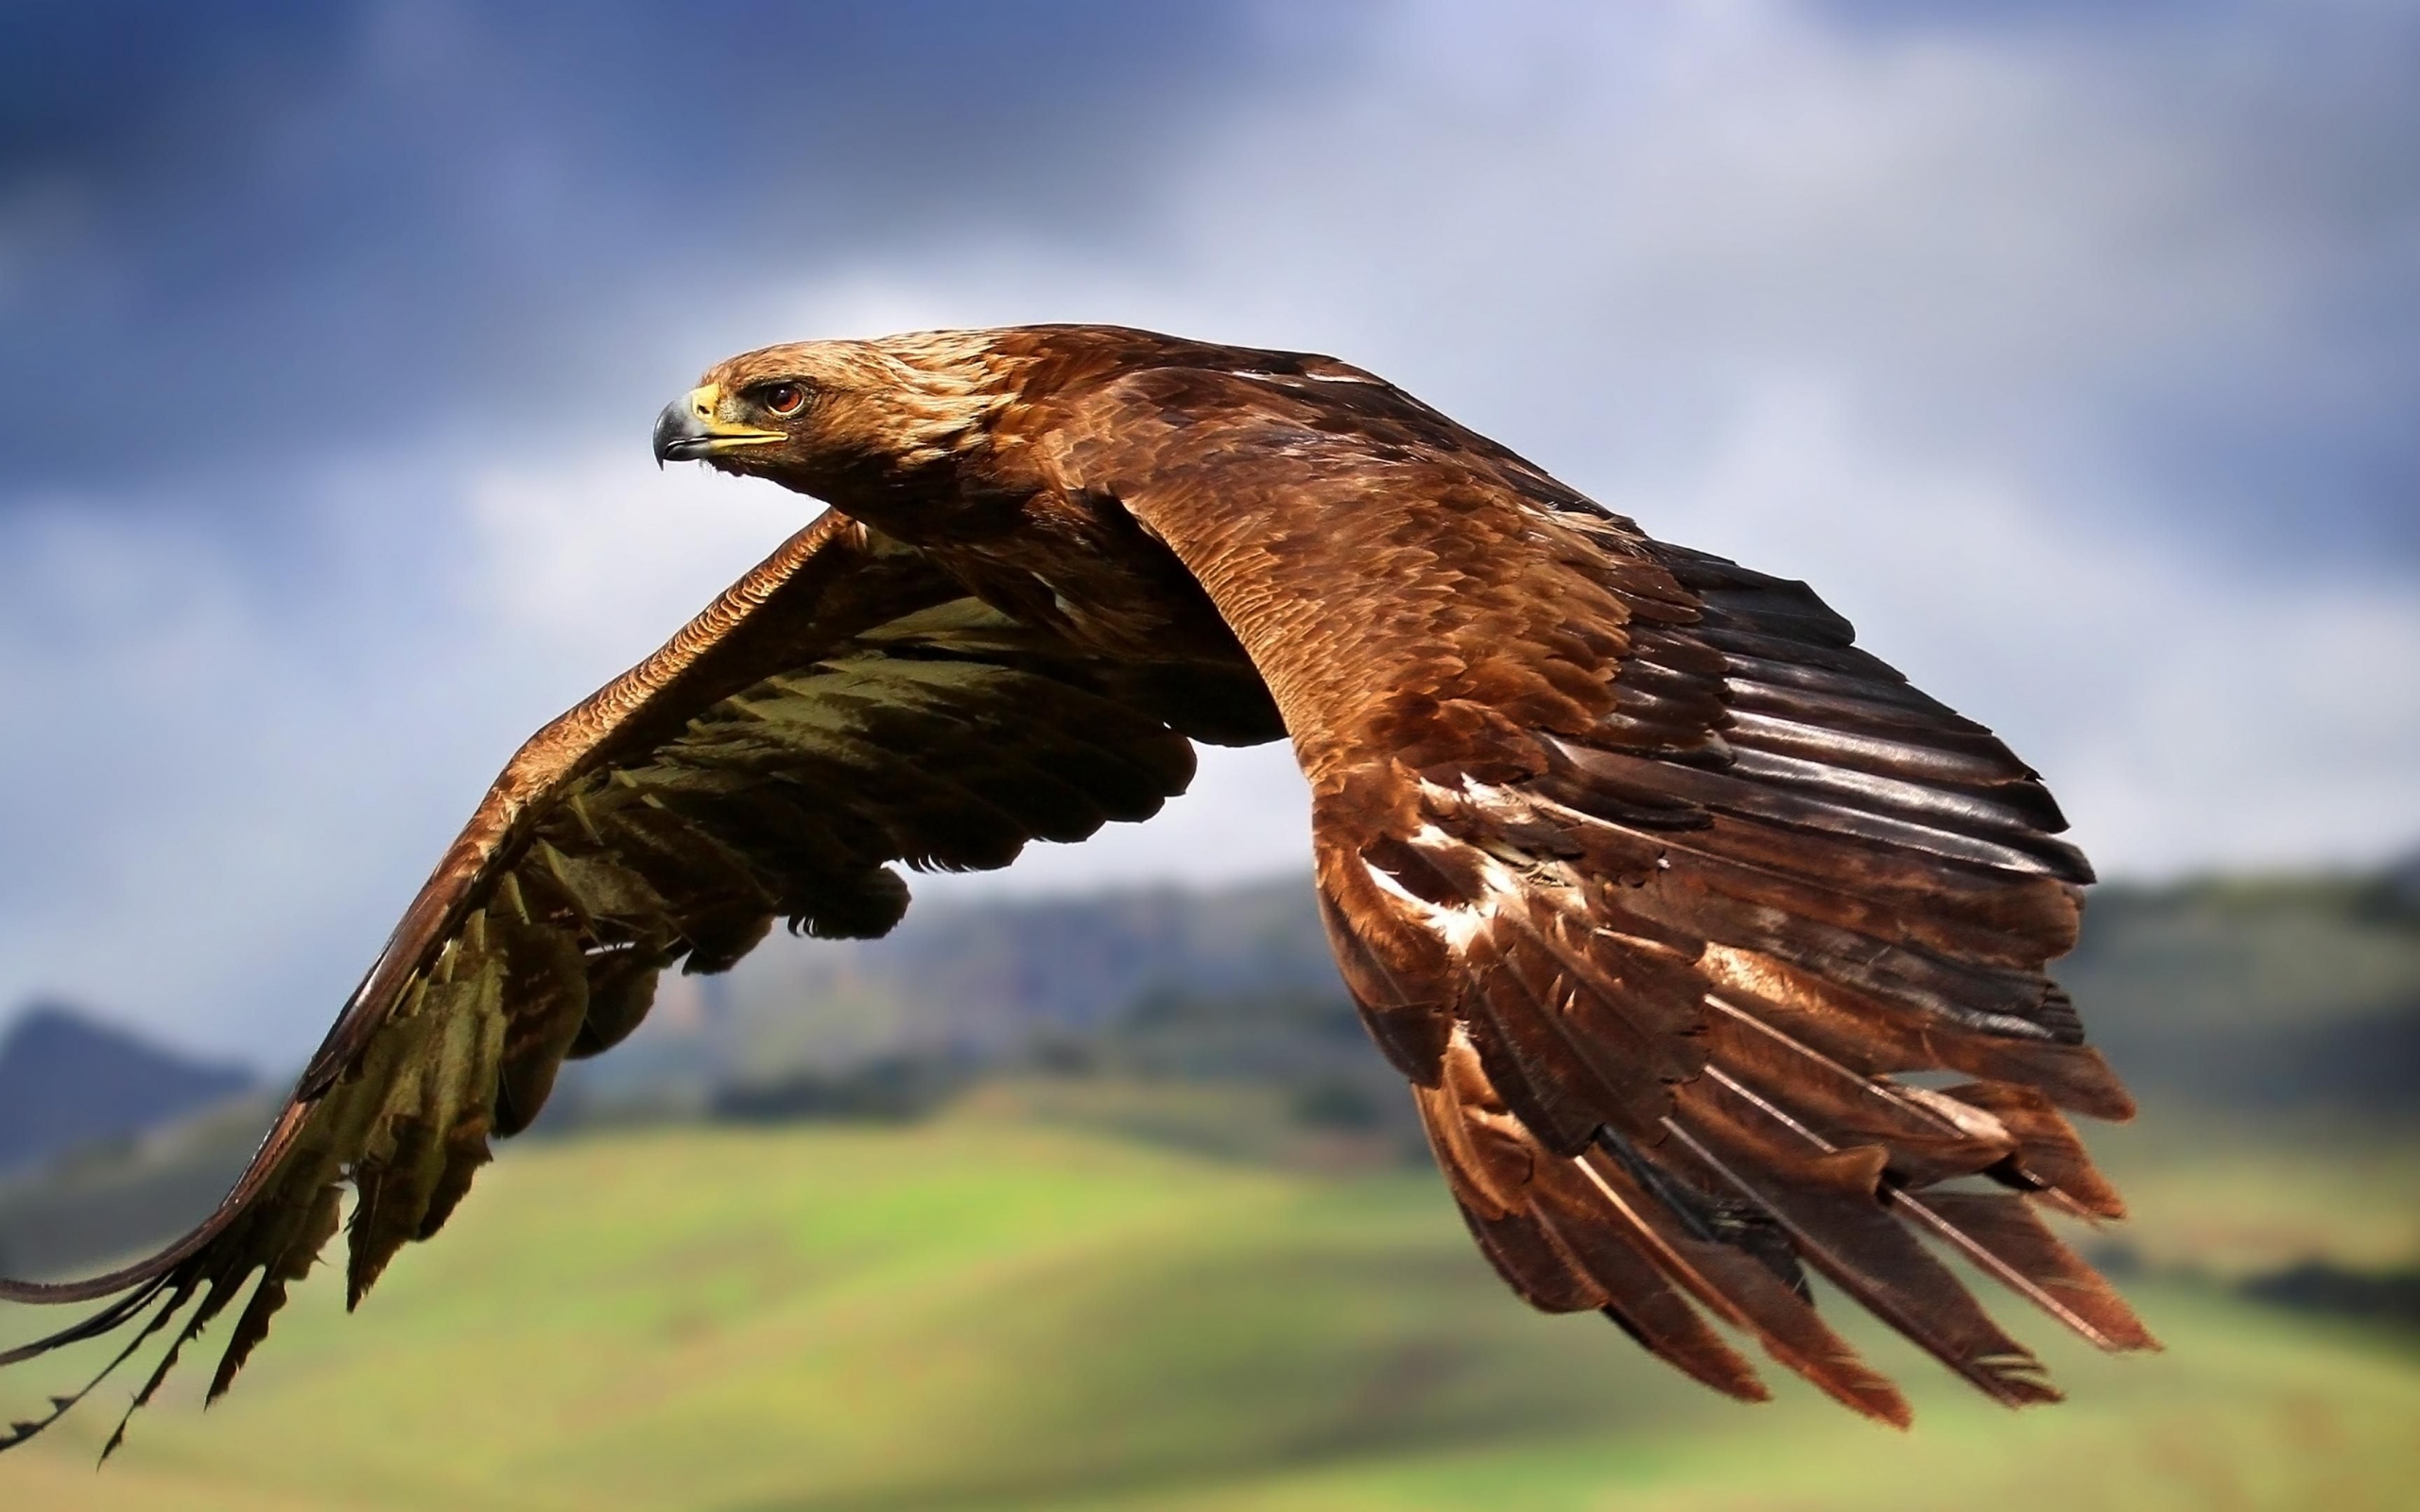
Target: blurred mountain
[
  {"x": 978, "y": 980},
  {"x": 2259, "y": 992},
  {"x": 972, "y": 986},
  {"x": 68, "y": 1080},
  {"x": 117, "y": 1195},
  {"x": 2269, "y": 991}
]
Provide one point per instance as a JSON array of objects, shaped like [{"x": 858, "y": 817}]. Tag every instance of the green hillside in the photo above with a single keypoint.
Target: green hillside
[
  {"x": 1154, "y": 1243},
  {"x": 984, "y": 1312}
]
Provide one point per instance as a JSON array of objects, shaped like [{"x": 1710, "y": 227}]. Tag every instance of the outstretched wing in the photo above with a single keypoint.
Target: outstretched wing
[
  {"x": 843, "y": 706},
  {"x": 1650, "y": 881}
]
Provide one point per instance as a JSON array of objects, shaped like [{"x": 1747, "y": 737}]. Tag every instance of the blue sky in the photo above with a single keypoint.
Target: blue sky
[{"x": 2070, "y": 349}]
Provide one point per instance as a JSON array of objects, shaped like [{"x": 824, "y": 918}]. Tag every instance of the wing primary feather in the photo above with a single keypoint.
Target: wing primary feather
[
  {"x": 312, "y": 1230},
  {"x": 2008, "y": 1241},
  {"x": 108, "y": 1321},
  {"x": 1745, "y": 1291},
  {"x": 60, "y": 1405},
  {"x": 217, "y": 1290},
  {"x": 1889, "y": 1275},
  {"x": 2113, "y": 1328}
]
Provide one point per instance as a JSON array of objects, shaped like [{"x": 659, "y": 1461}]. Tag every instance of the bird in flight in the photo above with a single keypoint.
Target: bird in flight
[{"x": 1712, "y": 951}]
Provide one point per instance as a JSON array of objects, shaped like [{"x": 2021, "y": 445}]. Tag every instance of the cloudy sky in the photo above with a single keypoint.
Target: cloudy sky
[{"x": 2071, "y": 350}]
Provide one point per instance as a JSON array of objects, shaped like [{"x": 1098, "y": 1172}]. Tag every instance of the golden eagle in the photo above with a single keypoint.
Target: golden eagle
[{"x": 1652, "y": 883}]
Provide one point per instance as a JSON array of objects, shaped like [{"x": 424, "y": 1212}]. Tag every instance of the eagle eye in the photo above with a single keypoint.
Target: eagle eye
[{"x": 782, "y": 399}]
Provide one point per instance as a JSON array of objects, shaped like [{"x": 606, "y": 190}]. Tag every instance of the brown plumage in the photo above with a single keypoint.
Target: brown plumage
[{"x": 1650, "y": 881}]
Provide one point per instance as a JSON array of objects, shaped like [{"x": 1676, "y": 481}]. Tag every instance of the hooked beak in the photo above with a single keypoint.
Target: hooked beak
[{"x": 691, "y": 429}]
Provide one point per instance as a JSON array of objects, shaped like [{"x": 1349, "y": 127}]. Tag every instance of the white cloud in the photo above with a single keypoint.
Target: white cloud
[
  {"x": 211, "y": 805},
  {"x": 1851, "y": 309},
  {"x": 586, "y": 560},
  {"x": 1869, "y": 309},
  {"x": 2185, "y": 718}
]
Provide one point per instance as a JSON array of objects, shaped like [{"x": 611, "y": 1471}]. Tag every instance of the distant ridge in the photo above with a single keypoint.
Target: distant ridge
[
  {"x": 2278, "y": 989},
  {"x": 68, "y": 1079}
]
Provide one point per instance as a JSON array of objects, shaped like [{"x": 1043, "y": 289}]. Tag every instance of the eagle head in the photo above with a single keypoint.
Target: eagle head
[{"x": 835, "y": 418}]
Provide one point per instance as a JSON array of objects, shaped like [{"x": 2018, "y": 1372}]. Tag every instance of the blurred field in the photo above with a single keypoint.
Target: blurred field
[{"x": 989, "y": 1312}]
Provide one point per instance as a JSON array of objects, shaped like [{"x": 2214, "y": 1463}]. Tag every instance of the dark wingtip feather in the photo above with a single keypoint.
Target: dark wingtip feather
[
  {"x": 1738, "y": 1284},
  {"x": 2009, "y": 1242}
]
